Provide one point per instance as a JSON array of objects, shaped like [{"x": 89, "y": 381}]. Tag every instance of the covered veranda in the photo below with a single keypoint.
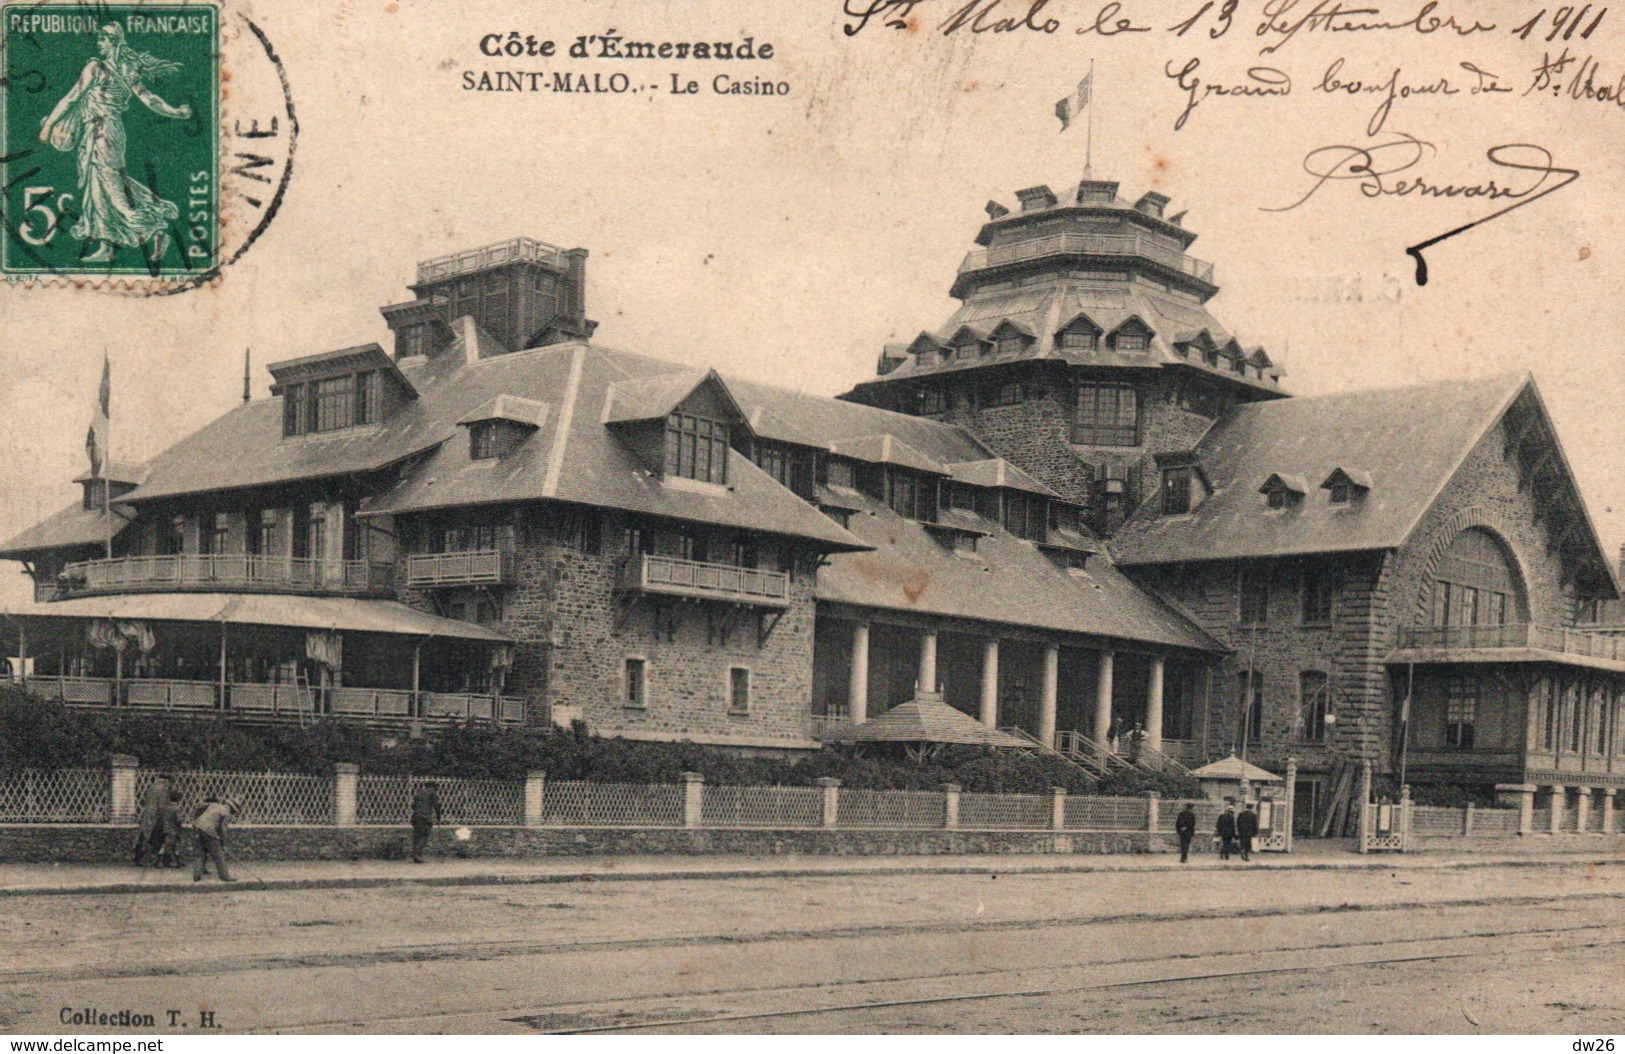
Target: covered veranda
[{"x": 259, "y": 657}]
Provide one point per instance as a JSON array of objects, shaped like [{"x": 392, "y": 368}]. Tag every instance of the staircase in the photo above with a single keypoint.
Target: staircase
[{"x": 1082, "y": 763}]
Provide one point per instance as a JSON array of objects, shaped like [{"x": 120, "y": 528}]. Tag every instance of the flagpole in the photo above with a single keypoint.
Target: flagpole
[
  {"x": 107, "y": 457},
  {"x": 1089, "y": 150}
]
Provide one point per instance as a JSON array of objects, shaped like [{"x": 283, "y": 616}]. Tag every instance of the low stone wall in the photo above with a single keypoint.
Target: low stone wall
[{"x": 104, "y": 844}]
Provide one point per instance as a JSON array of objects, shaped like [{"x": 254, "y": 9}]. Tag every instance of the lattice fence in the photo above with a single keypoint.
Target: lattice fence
[
  {"x": 388, "y": 800},
  {"x": 724, "y": 806},
  {"x": 581, "y": 804},
  {"x": 1207, "y": 815},
  {"x": 56, "y": 796},
  {"x": 1105, "y": 814},
  {"x": 897, "y": 809},
  {"x": 1006, "y": 812},
  {"x": 267, "y": 797}
]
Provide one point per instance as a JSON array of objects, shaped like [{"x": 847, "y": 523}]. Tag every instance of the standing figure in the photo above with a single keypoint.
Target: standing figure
[
  {"x": 1185, "y": 828},
  {"x": 171, "y": 852},
  {"x": 150, "y": 832},
  {"x": 1225, "y": 828},
  {"x": 425, "y": 814},
  {"x": 114, "y": 207},
  {"x": 1247, "y": 830},
  {"x": 209, "y": 831},
  {"x": 1114, "y": 736},
  {"x": 1136, "y": 737}
]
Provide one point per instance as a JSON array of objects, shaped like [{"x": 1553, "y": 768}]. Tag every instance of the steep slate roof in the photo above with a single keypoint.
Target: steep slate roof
[
  {"x": 73, "y": 525},
  {"x": 997, "y": 472},
  {"x": 886, "y": 450},
  {"x": 1414, "y": 438},
  {"x": 1009, "y": 581}
]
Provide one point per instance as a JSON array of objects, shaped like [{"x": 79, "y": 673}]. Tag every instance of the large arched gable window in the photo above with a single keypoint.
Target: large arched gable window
[{"x": 1476, "y": 583}]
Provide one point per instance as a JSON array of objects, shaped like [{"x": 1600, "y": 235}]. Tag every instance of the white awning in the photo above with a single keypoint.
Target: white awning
[{"x": 259, "y": 609}]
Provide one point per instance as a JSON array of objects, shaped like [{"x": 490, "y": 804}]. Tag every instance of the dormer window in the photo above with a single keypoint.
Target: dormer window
[
  {"x": 1176, "y": 491},
  {"x": 1079, "y": 335},
  {"x": 697, "y": 448},
  {"x": 1130, "y": 341},
  {"x": 482, "y": 440},
  {"x": 1278, "y": 499},
  {"x": 1132, "y": 335},
  {"x": 1283, "y": 491},
  {"x": 1341, "y": 492},
  {"x": 1346, "y": 486},
  {"x": 1012, "y": 344}
]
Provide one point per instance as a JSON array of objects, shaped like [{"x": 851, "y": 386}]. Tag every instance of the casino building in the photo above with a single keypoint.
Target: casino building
[{"x": 1080, "y": 504}]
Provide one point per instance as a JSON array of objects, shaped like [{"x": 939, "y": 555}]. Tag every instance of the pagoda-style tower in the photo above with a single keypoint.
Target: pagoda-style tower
[{"x": 1082, "y": 350}]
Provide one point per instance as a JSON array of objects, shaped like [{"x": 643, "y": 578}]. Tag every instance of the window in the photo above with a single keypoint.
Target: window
[
  {"x": 482, "y": 440},
  {"x": 295, "y": 416},
  {"x": 635, "y": 687},
  {"x": 1547, "y": 696},
  {"x": 95, "y": 494},
  {"x": 368, "y": 398},
  {"x": 1314, "y": 703},
  {"x": 576, "y": 529},
  {"x": 172, "y": 537},
  {"x": 931, "y": 401},
  {"x": 212, "y": 534},
  {"x": 1319, "y": 591},
  {"x": 1107, "y": 415},
  {"x": 1252, "y": 704},
  {"x": 905, "y": 496},
  {"x": 335, "y": 403},
  {"x": 697, "y": 448},
  {"x": 316, "y": 538},
  {"x": 774, "y": 460},
  {"x": 839, "y": 472},
  {"x": 693, "y": 547},
  {"x": 1277, "y": 498},
  {"x": 634, "y": 542},
  {"x": 1011, "y": 394},
  {"x": 409, "y": 341},
  {"x": 1129, "y": 341},
  {"x": 1476, "y": 583},
  {"x": 1012, "y": 344},
  {"x": 1254, "y": 588},
  {"x": 1461, "y": 708},
  {"x": 742, "y": 551},
  {"x": 964, "y": 542},
  {"x": 1025, "y": 515},
  {"x": 1341, "y": 493},
  {"x": 738, "y": 690},
  {"x": 1176, "y": 491},
  {"x": 962, "y": 496},
  {"x": 1079, "y": 338},
  {"x": 264, "y": 537},
  {"x": 469, "y": 538}
]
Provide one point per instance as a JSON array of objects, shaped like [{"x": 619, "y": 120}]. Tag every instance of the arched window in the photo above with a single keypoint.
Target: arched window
[{"x": 1477, "y": 583}]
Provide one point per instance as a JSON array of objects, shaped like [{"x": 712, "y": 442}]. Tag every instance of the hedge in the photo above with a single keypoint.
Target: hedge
[{"x": 39, "y": 733}]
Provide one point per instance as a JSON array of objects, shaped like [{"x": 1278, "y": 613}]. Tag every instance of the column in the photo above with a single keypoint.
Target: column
[
  {"x": 345, "y": 774},
  {"x": 1289, "y": 803},
  {"x": 121, "y": 799},
  {"x": 928, "y": 662},
  {"x": 1057, "y": 809},
  {"x": 1152, "y": 804},
  {"x": 1047, "y": 695},
  {"x": 535, "y": 802},
  {"x": 832, "y": 799},
  {"x": 22, "y": 654},
  {"x": 1153, "y": 705},
  {"x": 1103, "y": 698},
  {"x": 1365, "y": 805},
  {"x": 1560, "y": 795},
  {"x": 693, "y": 788},
  {"x": 950, "y": 805},
  {"x": 1526, "y": 810},
  {"x": 1582, "y": 808},
  {"x": 857, "y": 683},
  {"x": 990, "y": 683},
  {"x": 1608, "y": 810}
]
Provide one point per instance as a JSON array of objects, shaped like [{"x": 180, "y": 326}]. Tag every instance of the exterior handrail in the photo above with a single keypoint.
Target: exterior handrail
[
  {"x": 1565, "y": 640},
  {"x": 1087, "y": 245},
  {"x": 464, "y": 567},
  {"x": 229, "y": 571},
  {"x": 654, "y": 573},
  {"x": 489, "y": 256}
]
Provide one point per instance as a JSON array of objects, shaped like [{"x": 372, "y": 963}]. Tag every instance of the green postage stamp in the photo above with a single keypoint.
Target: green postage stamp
[{"x": 110, "y": 116}]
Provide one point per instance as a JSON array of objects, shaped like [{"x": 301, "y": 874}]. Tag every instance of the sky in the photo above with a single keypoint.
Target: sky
[{"x": 789, "y": 238}]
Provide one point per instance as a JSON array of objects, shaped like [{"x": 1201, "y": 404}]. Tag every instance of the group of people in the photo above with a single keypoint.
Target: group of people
[
  {"x": 1235, "y": 833},
  {"x": 159, "y": 839},
  {"x": 1120, "y": 740}
]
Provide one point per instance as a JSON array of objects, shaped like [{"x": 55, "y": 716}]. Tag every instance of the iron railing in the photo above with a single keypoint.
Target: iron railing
[
  {"x": 672, "y": 576},
  {"x": 230, "y": 572},
  {"x": 1113, "y": 245}
]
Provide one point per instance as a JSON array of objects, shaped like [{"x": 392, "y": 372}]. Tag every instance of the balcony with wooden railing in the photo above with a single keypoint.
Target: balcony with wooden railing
[
  {"x": 1517, "y": 635},
  {"x": 510, "y": 251},
  {"x": 700, "y": 580},
  {"x": 1116, "y": 246},
  {"x": 472, "y": 567},
  {"x": 237, "y": 572}
]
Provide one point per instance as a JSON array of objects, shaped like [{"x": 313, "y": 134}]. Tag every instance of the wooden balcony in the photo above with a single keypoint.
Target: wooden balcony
[
  {"x": 281, "y": 702},
  {"x": 234, "y": 572},
  {"x": 697, "y": 580},
  {"x": 1563, "y": 641},
  {"x": 471, "y": 568}
]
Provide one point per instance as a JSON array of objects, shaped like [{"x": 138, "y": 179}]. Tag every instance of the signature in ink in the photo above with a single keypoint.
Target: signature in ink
[{"x": 1374, "y": 171}]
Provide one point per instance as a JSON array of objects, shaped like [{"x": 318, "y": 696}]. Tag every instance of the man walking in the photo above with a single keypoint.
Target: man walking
[
  {"x": 1185, "y": 828},
  {"x": 1226, "y": 830},
  {"x": 150, "y": 835},
  {"x": 209, "y": 830},
  {"x": 425, "y": 814},
  {"x": 1247, "y": 830}
]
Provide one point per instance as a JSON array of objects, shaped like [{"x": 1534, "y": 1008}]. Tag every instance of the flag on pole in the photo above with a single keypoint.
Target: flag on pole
[
  {"x": 1074, "y": 104},
  {"x": 100, "y": 421}
]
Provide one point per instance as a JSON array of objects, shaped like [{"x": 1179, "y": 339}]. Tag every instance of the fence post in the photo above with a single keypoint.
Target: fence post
[
  {"x": 832, "y": 799},
  {"x": 1582, "y": 809},
  {"x": 344, "y": 785},
  {"x": 121, "y": 799},
  {"x": 950, "y": 805},
  {"x": 1365, "y": 804},
  {"x": 693, "y": 789},
  {"x": 1288, "y": 803},
  {"x": 535, "y": 782},
  {"x": 1405, "y": 818},
  {"x": 1608, "y": 810},
  {"x": 1152, "y": 801},
  {"x": 1057, "y": 809},
  {"x": 1467, "y": 821},
  {"x": 1526, "y": 808}
]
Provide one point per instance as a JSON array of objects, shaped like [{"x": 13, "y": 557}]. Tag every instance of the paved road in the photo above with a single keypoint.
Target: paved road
[{"x": 1442, "y": 948}]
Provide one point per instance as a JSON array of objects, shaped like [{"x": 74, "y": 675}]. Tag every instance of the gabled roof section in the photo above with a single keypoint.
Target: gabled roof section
[
  {"x": 997, "y": 472},
  {"x": 67, "y": 528},
  {"x": 1429, "y": 428},
  {"x": 1354, "y": 477},
  {"x": 1289, "y": 481},
  {"x": 330, "y": 363},
  {"x": 132, "y": 472},
  {"x": 512, "y": 408},
  {"x": 654, "y": 398},
  {"x": 927, "y": 719},
  {"x": 886, "y": 449}
]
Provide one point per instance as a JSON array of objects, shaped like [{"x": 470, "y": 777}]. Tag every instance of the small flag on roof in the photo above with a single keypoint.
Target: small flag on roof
[
  {"x": 100, "y": 422},
  {"x": 1075, "y": 103}
]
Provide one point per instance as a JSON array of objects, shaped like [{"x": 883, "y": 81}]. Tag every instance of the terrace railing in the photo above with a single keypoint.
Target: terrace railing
[
  {"x": 231, "y": 572},
  {"x": 469, "y": 568},
  {"x": 1114, "y": 245},
  {"x": 672, "y": 576},
  {"x": 1564, "y": 640},
  {"x": 514, "y": 249}
]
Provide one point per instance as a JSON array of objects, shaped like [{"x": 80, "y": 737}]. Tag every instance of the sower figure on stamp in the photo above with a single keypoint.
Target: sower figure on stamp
[
  {"x": 1225, "y": 828},
  {"x": 425, "y": 814},
  {"x": 115, "y": 209},
  {"x": 1185, "y": 828},
  {"x": 209, "y": 830},
  {"x": 1246, "y": 831},
  {"x": 150, "y": 820}
]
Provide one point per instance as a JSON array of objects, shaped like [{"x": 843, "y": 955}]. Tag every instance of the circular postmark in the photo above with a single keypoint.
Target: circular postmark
[{"x": 144, "y": 147}]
